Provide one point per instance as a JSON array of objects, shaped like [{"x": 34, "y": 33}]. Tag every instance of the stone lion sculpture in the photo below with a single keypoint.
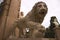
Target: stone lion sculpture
[{"x": 30, "y": 25}]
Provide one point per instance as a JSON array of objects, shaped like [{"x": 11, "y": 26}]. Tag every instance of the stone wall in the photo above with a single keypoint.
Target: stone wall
[{"x": 57, "y": 32}]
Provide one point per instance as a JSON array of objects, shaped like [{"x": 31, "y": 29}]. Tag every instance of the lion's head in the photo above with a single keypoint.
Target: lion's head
[
  {"x": 38, "y": 12},
  {"x": 40, "y": 8}
]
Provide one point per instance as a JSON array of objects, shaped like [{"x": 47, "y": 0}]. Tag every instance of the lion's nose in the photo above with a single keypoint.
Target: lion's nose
[{"x": 42, "y": 10}]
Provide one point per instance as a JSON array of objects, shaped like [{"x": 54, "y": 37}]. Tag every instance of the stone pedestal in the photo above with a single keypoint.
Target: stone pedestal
[{"x": 57, "y": 32}]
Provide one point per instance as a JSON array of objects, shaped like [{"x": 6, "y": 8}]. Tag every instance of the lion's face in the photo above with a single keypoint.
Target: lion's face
[{"x": 41, "y": 8}]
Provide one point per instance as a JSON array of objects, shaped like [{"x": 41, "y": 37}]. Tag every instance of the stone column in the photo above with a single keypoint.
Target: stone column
[
  {"x": 3, "y": 18},
  {"x": 10, "y": 14}
]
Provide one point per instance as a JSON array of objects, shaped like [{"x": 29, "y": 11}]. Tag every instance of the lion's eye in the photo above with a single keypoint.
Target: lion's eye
[
  {"x": 44, "y": 5},
  {"x": 39, "y": 5}
]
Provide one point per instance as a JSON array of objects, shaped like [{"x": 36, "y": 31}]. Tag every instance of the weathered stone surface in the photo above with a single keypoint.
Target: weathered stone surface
[
  {"x": 57, "y": 32},
  {"x": 32, "y": 39},
  {"x": 10, "y": 14}
]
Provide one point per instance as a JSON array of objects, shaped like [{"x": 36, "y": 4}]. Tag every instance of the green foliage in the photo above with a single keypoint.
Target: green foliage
[
  {"x": 1, "y": 8},
  {"x": 49, "y": 33}
]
